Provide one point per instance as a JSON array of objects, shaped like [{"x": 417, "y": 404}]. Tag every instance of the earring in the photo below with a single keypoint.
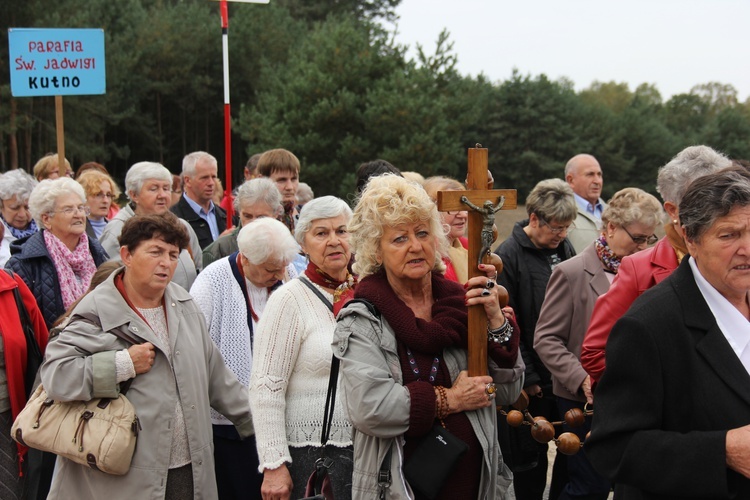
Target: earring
[
  {"x": 675, "y": 221},
  {"x": 610, "y": 235}
]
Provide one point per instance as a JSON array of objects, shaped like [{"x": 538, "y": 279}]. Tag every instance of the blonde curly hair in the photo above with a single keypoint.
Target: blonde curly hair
[{"x": 388, "y": 201}]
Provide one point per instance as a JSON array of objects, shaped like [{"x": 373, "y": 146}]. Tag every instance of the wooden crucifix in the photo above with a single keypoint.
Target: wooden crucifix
[{"x": 485, "y": 202}]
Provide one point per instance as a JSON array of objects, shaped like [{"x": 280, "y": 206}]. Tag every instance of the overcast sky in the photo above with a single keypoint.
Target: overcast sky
[{"x": 673, "y": 44}]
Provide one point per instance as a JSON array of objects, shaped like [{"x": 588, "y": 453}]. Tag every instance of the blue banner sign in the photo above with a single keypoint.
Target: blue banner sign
[{"x": 46, "y": 62}]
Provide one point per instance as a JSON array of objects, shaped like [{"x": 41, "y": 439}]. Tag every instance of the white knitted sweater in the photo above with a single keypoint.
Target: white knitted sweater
[
  {"x": 290, "y": 375},
  {"x": 220, "y": 297}
]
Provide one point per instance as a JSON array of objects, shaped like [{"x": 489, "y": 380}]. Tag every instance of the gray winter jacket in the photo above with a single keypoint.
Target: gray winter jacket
[
  {"x": 378, "y": 405},
  {"x": 80, "y": 365}
]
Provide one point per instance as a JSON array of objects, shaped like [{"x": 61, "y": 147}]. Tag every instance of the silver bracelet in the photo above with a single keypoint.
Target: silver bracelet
[{"x": 500, "y": 335}]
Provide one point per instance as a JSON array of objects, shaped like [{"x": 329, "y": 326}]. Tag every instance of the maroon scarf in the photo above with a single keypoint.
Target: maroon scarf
[
  {"x": 449, "y": 313},
  {"x": 343, "y": 291}
]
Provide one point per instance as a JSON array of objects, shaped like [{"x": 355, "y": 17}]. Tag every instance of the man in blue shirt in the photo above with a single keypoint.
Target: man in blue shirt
[
  {"x": 196, "y": 205},
  {"x": 584, "y": 175}
]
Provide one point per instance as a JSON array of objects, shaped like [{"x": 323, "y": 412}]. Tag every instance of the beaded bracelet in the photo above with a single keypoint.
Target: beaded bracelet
[
  {"x": 443, "y": 408},
  {"x": 438, "y": 403},
  {"x": 500, "y": 335}
]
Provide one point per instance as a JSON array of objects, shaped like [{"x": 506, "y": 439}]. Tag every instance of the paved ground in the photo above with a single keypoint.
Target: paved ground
[
  {"x": 551, "y": 458},
  {"x": 505, "y": 219}
]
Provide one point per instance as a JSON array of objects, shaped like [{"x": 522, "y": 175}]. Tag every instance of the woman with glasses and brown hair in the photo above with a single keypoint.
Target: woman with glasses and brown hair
[
  {"x": 101, "y": 191},
  {"x": 629, "y": 221},
  {"x": 535, "y": 247},
  {"x": 57, "y": 262},
  {"x": 456, "y": 262}
]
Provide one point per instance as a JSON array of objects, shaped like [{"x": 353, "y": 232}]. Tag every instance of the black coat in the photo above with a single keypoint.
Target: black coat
[
  {"x": 526, "y": 271},
  {"x": 31, "y": 261},
  {"x": 184, "y": 211},
  {"x": 672, "y": 388}
]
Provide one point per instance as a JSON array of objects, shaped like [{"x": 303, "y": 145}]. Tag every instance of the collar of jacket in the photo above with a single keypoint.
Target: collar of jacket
[
  {"x": 30, "y": 247},
  {"x": 110, "y": 299}
]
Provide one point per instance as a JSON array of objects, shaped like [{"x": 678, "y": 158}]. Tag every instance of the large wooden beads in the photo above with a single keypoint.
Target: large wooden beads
[
  {"x": 515, "y": 418},
  {"x": 575, "y": 417},
  {"x": 542, "y": 430},
  {"x": 568, "y": 443}
]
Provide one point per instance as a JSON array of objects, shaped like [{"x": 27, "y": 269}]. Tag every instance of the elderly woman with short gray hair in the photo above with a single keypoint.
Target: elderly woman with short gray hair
[
  {"x": 629, "y": 221},
  {"x": 57, "y": 263},
  {"x": 233, "y": 293},
  {"x": 149, "y": 187},
  {"x": 675, "y": 390},
  {"x": 292, "y": 361},
  {"x": 15, "y": 217},
  {"x": 534, "y": 249},
  {"x": 255, "y": 198}
]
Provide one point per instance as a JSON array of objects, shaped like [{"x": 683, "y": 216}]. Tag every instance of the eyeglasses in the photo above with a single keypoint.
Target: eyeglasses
[
  {"x": 101, "y": 196},
  {"x": 72, "y": 210},
  {"x": 553, "y": 230},
  {"x": 640, "y": 240}
]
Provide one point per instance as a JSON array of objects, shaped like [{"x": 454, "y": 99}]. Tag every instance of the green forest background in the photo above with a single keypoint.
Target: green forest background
[{"x": 326, "y": 80}]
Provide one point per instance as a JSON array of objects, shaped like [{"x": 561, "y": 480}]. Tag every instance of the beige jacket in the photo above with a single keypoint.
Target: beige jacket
[
  {"x": 587, "y": 229},
  {"x": 572, "y": 291},
  {"x": 80, "y": 365}
]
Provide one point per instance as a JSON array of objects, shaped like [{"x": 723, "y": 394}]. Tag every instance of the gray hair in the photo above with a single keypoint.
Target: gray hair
[
  {"x": 143, "y": 171},
  {"x": 16, "y": 183},
  {"x": 711, "y": 197},
  {"x": 304, "y": 193},
  {"x": 260, "y": 189},
  {"x": 44, "y": 196},
  {"x": 192, "y": 159},
  {"x": 267, "y": 239},
  {"x": 631, "y": 205},
  {"x": 689, "y": 164},
  {"x": 552, "y": 200},
  {"x": 325, "y": 207}
]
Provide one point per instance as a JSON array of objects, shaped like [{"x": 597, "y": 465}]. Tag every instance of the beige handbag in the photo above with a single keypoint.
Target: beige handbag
[{"x": 100, "y": 433}]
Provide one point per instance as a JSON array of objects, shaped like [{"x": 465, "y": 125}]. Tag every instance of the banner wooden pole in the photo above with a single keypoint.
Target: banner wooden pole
[{"x": 60, "y": 127}]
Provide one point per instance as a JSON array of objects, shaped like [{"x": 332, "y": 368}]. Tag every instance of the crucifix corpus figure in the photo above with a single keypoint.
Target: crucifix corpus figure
[
  {"x": 488, "y": 212},
  {"x": 481, "y": 235}
]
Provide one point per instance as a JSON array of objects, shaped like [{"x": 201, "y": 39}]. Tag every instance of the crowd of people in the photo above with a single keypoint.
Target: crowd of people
[{"x": 318, "y": 334}]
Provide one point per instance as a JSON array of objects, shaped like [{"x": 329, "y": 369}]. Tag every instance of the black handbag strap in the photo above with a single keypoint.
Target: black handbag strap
[
  {"x": 32, "y": 346},
  {"x": 334, "y": 377},
  {"x": 317, "y": 292},
  {"x": 330, "y": 401}
]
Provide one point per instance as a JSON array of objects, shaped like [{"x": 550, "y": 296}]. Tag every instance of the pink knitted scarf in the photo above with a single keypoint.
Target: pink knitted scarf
[{"x": 74, "y": 269}]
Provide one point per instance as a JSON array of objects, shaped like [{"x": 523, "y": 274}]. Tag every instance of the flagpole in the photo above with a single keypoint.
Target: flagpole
[{"x": 227, "y": 112}]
